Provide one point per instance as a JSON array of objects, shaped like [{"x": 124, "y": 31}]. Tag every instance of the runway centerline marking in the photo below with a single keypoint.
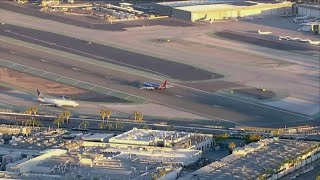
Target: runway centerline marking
[
  {"x": 99, "y": 57},
  {"x": 187, "y": 87}
]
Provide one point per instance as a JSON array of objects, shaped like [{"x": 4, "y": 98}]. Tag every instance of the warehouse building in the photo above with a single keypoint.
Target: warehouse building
[
  {"x": 308, "y": 10},
  {"x": 211, "y": 10}
]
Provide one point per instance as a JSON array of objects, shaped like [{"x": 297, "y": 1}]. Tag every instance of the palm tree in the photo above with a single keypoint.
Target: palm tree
[
  {"x": 118, "y": 124},
  {"x": 102, "y": 125},
  {"x": 232, "y": 145},
  {"x": 34, "y": 110},
  {"x": 135, "y": 115},
  {"x": 57, "y": 121},
  {"x": 108, "y": 113},
  {"x": 61, "y": 116},
  {"x": 139, "y": 118},
  {"x": 103, "y": 114},
  {"x": 109, "y": 126},
  {"x": 67, "y": 115},
  {"x": 84, "y": 124},
  {"x": 170, "y": 128}
]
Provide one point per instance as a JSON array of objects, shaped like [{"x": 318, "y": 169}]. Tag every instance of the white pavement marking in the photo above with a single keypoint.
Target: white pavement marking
[
  {"x": 168, "y": 105},
  {"x": 26, "y": 70},
  {"x": 93, "y": 87},
  {"x": 43, "y": 74},
  {"x": 130, "y": 65},
  {"x": 127, "y": 97},
  {"x": 76, "y": 83},
  {"x": 110, "y": 92},
  {"x": 215, "y": 94},
  {"x": 59, "y": 78},
  {"x": 12, "y": 65},
  {"x": 178, "y": 96}
]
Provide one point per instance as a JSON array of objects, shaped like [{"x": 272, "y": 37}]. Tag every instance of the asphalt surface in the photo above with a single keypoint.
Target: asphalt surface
[
  {"x": 267, "y": 41},
  {"x": 32, "y": 10},
  {"x": 219, "y": 109},
  {"x": 108, "y": 54}
]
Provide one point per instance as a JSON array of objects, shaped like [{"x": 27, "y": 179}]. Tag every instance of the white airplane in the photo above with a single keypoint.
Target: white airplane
[
  {"x": 265, "y": 33},
  {"x": 155, "y": 86},
  {"x": 284, "y": 38},
  {"x": 317, "y": 43},
  {"x": 56, "y": 102}
]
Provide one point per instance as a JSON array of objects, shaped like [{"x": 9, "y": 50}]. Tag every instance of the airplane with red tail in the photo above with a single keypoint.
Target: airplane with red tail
[{"x": 155, "y": 86}]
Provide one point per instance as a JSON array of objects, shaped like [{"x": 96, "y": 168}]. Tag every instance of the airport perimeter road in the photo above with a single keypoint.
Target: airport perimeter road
[{"x": 211, "y": 106}]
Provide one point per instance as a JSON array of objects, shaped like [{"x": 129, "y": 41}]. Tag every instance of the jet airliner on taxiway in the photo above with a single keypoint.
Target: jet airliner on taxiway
[
  {"x": 56, "y": 102},
  {"x": 155, "y": 86}
]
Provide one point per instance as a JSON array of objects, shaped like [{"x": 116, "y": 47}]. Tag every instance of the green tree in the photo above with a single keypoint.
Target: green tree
[
  {"x": 67, "y": 115},
  {"x": 162, "y": 172},
  {"x": 118, "y": 124},
  {"x": 108, "y": 113},
  {"x": 145, "y": 127},
  {"x": 102, "y": 125},
  {"x": 170, "y": 128},
  {"x": 232, "y": 145},
  {"x": 252, "y": 138},
  {"x": 58, "y": 122},
  {"x": 109, "y": 126},
  {"x": 154, "y": 177},
  {"x": 135, "y": 115},
  {"x": 139, "y": 118},
  {"x": 318, "y": 176},
  {"x": 61, "y": 116},
  {"x": 103, "y": 114},
  {"x": 84, "y": 124}
]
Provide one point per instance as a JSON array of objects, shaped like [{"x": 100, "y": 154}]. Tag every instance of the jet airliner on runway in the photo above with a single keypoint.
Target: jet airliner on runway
[
  {"x": 56, "y": 102},
  {"x": 155, "y": 86}
]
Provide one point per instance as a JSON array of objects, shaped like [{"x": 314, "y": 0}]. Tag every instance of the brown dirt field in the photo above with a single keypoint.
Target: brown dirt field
[
  {"x": 29, "y": 82},
  {"x": 48, "y": 87}
]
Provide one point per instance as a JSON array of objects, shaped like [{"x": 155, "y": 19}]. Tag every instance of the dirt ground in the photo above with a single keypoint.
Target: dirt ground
[
  {"x": 256, "y": 93},
  {"x": 48, "y": 87}
]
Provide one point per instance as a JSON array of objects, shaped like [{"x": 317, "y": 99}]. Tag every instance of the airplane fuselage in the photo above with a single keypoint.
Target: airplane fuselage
[{"x": 59, "y": 102}]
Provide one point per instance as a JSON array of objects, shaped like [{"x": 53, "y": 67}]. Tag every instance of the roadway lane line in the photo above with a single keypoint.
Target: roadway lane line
[
  {"x": 168, "y": 105},
  {"x": 187, "y": 87},
  {"x": 99, "y": 57}
]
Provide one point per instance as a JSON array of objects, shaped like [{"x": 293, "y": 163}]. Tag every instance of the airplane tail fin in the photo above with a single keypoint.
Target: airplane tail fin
[
  {"x": 39, "y": 94},
  {"x": 164, "y": 85}
]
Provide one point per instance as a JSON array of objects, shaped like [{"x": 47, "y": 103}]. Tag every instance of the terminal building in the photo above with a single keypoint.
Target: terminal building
[
  {"x": 160, "y": 138},
  {"x": 212, "y": 10}
]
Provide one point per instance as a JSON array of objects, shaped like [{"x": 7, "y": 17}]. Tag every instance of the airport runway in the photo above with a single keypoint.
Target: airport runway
[
  {"x": 120, "y": 57},
  {"x": 219, "y": 109}
]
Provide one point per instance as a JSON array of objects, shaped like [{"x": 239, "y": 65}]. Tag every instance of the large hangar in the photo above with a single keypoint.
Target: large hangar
[{"x": 217, "y": 10}]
